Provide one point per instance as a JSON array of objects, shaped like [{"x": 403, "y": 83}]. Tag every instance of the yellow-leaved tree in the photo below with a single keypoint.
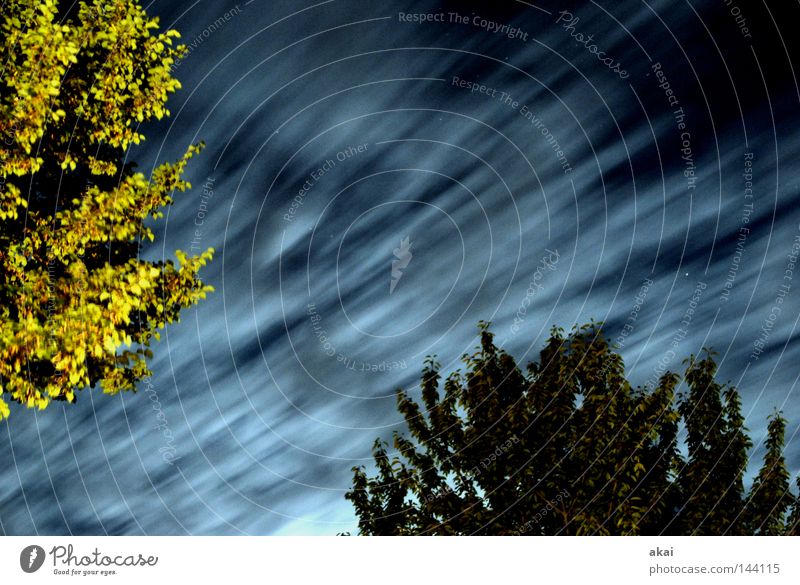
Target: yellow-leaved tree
[{"x": 78, "y": 305}]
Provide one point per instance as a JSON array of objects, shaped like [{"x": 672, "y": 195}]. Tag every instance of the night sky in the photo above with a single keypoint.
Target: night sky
[{"x": 375, "y": 185}]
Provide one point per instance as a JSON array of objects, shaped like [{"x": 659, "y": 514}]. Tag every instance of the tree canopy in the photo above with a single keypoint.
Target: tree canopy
[
  {"x": 79, "y": 306},
  {"x": 570, "y": 447}
]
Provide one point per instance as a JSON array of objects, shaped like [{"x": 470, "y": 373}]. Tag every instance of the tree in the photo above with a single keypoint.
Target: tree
[
  {"x": 793, "y": 521},
  {"x": 568, "y": 447},
  {"x": 770, "y": 497},
  {"x": 79, "y": 307},
  {"x": 712, "y": 481}
]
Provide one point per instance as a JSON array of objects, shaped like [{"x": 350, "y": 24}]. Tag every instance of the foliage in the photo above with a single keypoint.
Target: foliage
[
  {"x": 770, "y": 497},
  {"x": 568, "y": 447},
  {"x": 793, "y": 521},
  {"x": 712, "y": 481},
  {"x": 78, "y": 304}
]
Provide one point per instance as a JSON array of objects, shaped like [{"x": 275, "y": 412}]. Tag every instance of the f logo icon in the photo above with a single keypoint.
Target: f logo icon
[{"x": 31, "y": 558}]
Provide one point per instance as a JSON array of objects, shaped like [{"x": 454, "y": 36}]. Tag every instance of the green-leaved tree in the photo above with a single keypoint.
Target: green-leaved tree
[
  {"x": 712, "y": 481},
  {"x": 569, "y": 447},
  {"x": 770, "y": 497}
]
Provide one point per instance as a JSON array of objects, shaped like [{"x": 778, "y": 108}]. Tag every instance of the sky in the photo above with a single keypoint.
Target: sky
[{"x": 379, "y": 177}]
